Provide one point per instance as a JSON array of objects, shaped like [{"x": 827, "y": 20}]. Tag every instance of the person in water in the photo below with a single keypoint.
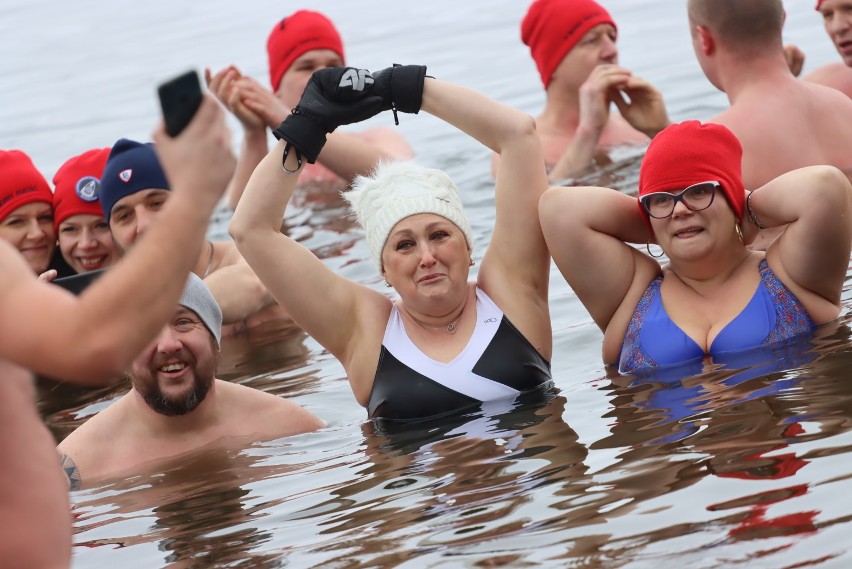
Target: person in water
[
  {"x": 26, "y": 210},
  {"x": 84, "y": 236},
  {"x": 298, "y": 45},
  {"x": 715, "y": 295},
  {"x": 573, "y": 44},
  {"x": 446, "y": 343},
  {"x": 837, "y": 18},
  {"x": 176, "y": 404}
]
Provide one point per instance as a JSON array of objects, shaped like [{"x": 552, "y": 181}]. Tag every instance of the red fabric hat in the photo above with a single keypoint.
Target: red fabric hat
[
  {"x": 552, "y": 27},
  {"x": 819, "y": 3},
  {"x": 687, "y": 153},
  {"x": 77, "y": 185},
  {"x": 294, "y": 35},
  {"x": 20, "y": 182}
]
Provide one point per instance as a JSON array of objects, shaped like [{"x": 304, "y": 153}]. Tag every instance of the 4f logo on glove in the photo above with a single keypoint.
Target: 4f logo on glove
[{"x": 356, "y": 78}]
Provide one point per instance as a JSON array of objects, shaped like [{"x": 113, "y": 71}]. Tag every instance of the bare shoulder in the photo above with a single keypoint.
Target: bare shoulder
[
  {"x": 264, "y": 412},
  {"x": 91, "y": 443},
  {"x": 391, "y": 141},
  {"x": 835, "y": 75}
]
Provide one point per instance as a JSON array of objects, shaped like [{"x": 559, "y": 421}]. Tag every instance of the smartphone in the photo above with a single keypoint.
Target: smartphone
[
  {"x": 180, "y": 97},
  {"x": 78, "y": 283}
]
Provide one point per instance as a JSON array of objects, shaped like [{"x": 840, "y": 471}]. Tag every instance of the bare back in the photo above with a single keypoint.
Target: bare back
[{"x": 789, "y": 125}]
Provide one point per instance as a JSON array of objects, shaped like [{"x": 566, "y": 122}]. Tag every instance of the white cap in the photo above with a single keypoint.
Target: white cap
[
  {"x": 198, "y": 298},
  {"x": 396, "y": 190}
]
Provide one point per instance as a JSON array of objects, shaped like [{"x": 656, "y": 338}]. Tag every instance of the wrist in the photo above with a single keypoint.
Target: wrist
[{"x": 754, "y": 218}]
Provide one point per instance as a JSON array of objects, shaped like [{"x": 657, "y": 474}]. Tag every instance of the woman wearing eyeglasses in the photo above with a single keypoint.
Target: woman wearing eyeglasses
[{"x": 714, "y": 296}]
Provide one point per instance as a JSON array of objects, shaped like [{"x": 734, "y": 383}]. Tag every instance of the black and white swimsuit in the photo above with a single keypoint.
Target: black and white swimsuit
[{"x": 497, "y": 363}]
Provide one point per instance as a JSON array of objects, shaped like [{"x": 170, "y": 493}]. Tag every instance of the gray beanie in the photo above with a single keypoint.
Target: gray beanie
[{"x": 197, "y": 297}]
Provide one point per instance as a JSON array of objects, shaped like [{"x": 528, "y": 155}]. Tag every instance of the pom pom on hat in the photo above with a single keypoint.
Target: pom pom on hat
[
  {"x": 299, "y": 32},
  {"x": 198, "y": 298},
  {"x": 690, "y": 152},
  {"x": 20, "y": 182},
  {"x": 397, "y": 190},
  {"x": 77, "y": 185},
  {"x": 551, "y": 28},
  {"x": 131, "y": 167}
]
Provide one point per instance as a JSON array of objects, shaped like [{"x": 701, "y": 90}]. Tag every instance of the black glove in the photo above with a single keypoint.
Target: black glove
[
  {"x": 332, "y": 97},
  {"x": 400, "y": 87}
]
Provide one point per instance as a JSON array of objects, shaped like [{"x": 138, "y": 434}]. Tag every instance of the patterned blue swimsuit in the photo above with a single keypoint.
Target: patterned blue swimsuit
[{"x": 772, "y": 316}]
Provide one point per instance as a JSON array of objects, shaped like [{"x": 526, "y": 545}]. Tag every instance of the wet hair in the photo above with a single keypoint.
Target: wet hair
[{"x": 743, "y": 25}]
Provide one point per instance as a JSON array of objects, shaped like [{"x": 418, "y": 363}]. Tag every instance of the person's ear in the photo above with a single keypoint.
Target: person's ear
[{"x": 706, "y": 39}]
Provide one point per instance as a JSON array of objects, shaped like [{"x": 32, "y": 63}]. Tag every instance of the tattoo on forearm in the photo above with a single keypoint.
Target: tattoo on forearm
[{"x": 70, "y": 471}]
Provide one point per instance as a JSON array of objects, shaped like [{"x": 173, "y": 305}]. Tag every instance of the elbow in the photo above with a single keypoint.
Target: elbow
[
  {"x": 238, "y": 230},
  {"x": 834, "y": 190}
]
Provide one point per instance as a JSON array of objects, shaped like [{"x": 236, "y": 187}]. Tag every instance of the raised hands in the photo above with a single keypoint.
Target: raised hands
[{"x": 644, "y": 107}]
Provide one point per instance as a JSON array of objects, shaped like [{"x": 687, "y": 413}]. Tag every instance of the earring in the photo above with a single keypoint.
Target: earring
[
  {"x": 648, "y": 248},
  {"x": 739, "y": 231},
  {"x": 387, "y": 284},
  {"x": 472, "y": 262}
]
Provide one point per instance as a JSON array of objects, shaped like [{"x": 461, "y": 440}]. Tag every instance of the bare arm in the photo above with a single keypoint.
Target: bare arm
[
  {"x": 515, "y": 269},
  {"x": 238, "y": 291},
  {"x": 92, "y": 338},
  {"x": 814, "y": 250},
  {"x": 326, "y": 305},
  {"x": 587, "y": 230}
]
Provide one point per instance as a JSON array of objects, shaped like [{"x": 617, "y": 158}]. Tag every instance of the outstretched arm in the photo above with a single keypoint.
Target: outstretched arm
[{"x": 93, "y": 337}]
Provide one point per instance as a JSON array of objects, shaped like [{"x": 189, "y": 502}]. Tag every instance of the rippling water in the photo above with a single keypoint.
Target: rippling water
[{"x": 724, "y": 467}]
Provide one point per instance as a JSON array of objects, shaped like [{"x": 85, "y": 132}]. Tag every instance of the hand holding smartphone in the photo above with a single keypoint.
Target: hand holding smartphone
[{"x": 180, "y": 98}]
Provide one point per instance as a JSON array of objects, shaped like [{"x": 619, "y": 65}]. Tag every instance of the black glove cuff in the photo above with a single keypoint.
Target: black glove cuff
[
  {"x": 407, "y": 87},
  {"x": 306, "y": 135}
]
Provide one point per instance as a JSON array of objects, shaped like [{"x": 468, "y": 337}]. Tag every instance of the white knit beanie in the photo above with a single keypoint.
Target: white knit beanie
[
  {"x": 198, "y": 298},
  {"x": 396, "y": 190}
]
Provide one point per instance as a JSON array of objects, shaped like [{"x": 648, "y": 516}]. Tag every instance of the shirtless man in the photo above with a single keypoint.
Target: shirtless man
[
  {"x": 837, "y": 17},
  {"x": 134, "y": 189},
  {"x": 297, "y": 46},
  {"x": 92, "y": 338},
  {"x": 781, "y": 122},
  {"x": 176, "y": 404},
  {"x": 573, "y": 45}
]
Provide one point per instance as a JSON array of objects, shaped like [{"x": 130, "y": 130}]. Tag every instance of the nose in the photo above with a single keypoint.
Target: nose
[
  {"x": 87, "y": 239},
  {"x": 609, "y": 51},
  {"x": 680, "y": 208},
  {"x": 168, "y": 341},
  {"x": 35, "y": 231},
  {"x": 427, "y": 255},
  {"x": 143, "y": 219}
]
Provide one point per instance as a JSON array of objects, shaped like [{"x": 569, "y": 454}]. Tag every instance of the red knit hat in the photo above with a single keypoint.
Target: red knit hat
[
  {"x": 77, "y": 185},
  {"x": 20, "y": 182},
  {"x": 687, "y": 153},
  {"x": 819, "y": 3},
  {"x": 294, "y": 35},
  {"x": 552, "y": 27}
]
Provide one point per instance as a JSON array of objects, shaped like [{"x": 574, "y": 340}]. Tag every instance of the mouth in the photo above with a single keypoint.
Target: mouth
[
  {"x": 173, "y": 369},
  {"x": 429, "y": 278},
  {"x": 688, "y": 232},
  {"x": 91, "y": 263}
]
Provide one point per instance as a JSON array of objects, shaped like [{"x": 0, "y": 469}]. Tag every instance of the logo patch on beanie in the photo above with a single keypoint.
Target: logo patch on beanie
[
  {"x": 125, "y": 175},
  {"x": 88, "y": 188}
]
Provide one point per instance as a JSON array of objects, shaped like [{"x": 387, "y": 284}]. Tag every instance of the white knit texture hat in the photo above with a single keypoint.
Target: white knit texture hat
[{"x": 396, "y": 190}]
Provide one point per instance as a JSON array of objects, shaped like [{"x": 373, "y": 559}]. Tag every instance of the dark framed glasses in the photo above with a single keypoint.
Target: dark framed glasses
[{"x": 696, "y": 197}]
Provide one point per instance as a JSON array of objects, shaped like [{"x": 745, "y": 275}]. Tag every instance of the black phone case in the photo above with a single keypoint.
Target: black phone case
[
  {"x": 179, "y": 99},
  {"x": 78, "y": 283}
]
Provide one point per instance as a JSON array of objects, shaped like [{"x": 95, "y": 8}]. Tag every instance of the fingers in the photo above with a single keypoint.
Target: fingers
[{"x": 48, "y": 275}]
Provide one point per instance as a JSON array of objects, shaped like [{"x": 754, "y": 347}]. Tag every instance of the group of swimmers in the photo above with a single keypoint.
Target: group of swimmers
[{"x": 708, "y": 193}]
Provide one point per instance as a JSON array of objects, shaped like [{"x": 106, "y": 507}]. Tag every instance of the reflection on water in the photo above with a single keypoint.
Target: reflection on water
[{"x": 736, "y": 463}]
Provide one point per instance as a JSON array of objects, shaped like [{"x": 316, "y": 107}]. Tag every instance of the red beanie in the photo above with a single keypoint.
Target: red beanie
[
  {"x": 552, "y": 27},
  {"x": 20, "y": 182},
  {"x": 294, "y": 35},
  {"x": 687, "y": 153},
  {"x": 819, "y": 3},
  {"x": 77, "y": 185}
]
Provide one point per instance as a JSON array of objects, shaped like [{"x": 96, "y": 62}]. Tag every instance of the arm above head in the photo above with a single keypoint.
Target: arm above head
[
  {"x": 94, "y": 337},
  {"x": 588, "y": 230},
  {"x": 813, "y": 251}
]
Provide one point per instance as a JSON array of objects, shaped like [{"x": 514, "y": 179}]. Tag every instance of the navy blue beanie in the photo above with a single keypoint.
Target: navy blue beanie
[{"x": 131, "y": 167}]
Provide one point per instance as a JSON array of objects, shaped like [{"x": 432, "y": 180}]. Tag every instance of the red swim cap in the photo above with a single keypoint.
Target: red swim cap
[
  {"x": 294, "y": 35},
  {"x": 819, "y": 3},
  {"x": 77, "y": 185},
  {"x": 20, "y": 182},
  {"x": 552, "y": 27},
  {"x": 687, "y": 153}
]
